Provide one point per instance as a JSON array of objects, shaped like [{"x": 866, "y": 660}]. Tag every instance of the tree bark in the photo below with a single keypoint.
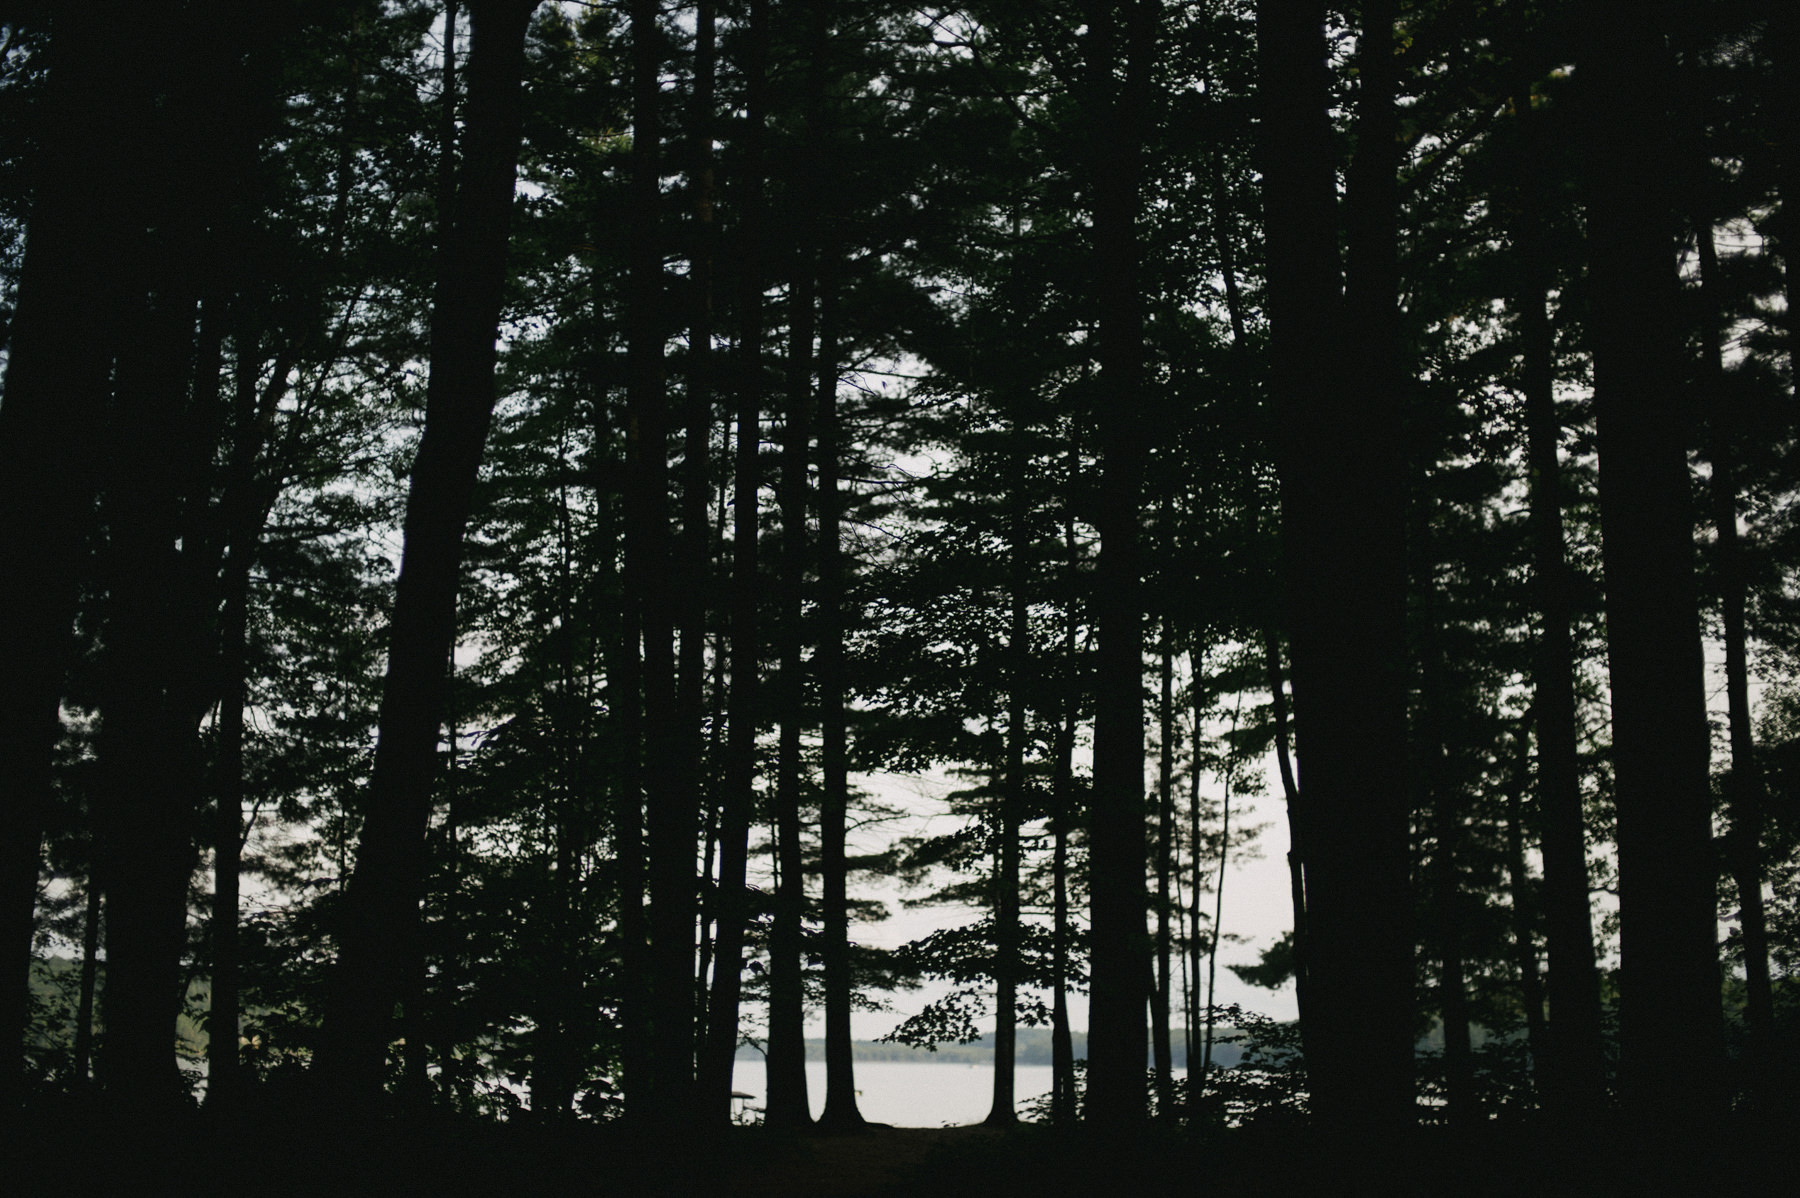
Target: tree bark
[
  {"x": 1198, "y": 1013},
  {"x": 697, "y": 542},
  {"x": 1337, "y": 384},
  {"x": 90, "y": 971},
  {"x": 382, "y": 904},
  {"x": 1293, "y": 806},
  {"x": 156, "y": 678},
  {"x": 58, "y": 368},
  {"x": 1003, "y": 1112},
  {"x": 228, "y": 832},
  {"x": 243, "y": 511},
  {"x": 1447, "y": 821},
  {"x": 1719, "y": 402},
  {"x": 1525, "y": 956},
  {"x": 1062, "y": 785},
  {"x": 787, "y": 1101},
  {"x": 671, "y": 801},
  {"x": 1783, "y": 36},
  {"x": 1122, "y": 35},
  {"x": 1218, "y": 919},
  {"x": 1574, "y": 1076},
  {"x": 740, "y": 751},
  {"x": 1666, "y": 878},
  {"x": 1743, "y": 785},
  {"x": 1162, "y": 1055},
  {"x": 840, "y": 1077}
]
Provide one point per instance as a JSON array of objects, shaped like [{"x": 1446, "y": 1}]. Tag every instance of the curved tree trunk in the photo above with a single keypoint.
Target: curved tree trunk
[
  {"x": 381, "y": 914},
  {"x": 1295, "y": 810}
]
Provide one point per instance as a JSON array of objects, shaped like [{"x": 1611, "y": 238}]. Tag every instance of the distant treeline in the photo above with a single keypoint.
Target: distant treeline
[{"x": 1033, "y": 1049}]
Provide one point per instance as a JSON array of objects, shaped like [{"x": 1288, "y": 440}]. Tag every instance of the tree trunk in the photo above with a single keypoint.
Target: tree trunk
[
  {"x": 1062, "y": 785},
  {"x": 740, "y": 751},
  {"x": 555, "y": 1065},
  {"x": 228, "y": 833},
  {"x": 1271, "y": 649},
  {"x": 1062, "y": 1041},
  {"x": 243, "y": 511},
  {"x": 1198, "y": 1014},
  {"x": 1161, "y": 1053},
  {"x": 1440, "y": 805},
  {"x": 1290, "y": 792},
  {"x": 787, "y": 1105},
  {"x": 840, "y": 1076},
  {"x": 150, "y": 782},
  {"x": 1743, "y": 785},
  {"x": 58, "y": 367},
  {"x": 90, "y": 970},
  {"x": 1719, "y": 403},
  {"x": 625, "y": 695},
  {"x": 1783, "y": 34},
  {"x": 382, "y": 905},
  {"x": 1120, "y": 944},
  {"x": 156, "y": 682},
  {"x": 670, "y": 782},
  {"x": 1525, "y": 956},
  {"x": 1278, "y": 700},
  {"x": 696, "y": 489},
  {"x": 1003, "y": 1112},
  {"x": 1574, "y": 1077},
  {"x": 1666, "y": 876},
  {"x": 1446, "y": 806},
  {"x": 1218, "y": 920},
  {"x": 1342, "y": 535}
]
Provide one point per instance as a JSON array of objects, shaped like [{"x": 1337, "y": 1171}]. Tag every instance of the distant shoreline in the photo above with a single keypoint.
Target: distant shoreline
[{"x": 1033, "y": 1049}]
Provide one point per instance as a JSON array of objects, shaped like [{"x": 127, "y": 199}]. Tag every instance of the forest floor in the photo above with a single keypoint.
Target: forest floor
[
  {"x": 80, "y": 1150},
  {"x": 876, "y": 1160},
  {"x": 1037, "y": 1161}
]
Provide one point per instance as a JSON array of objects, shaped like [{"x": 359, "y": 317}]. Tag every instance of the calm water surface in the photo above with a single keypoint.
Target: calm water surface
[{"x": 909, "y": 1093}]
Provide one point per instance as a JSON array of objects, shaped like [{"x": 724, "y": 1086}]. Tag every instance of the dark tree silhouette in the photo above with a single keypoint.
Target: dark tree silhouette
[
  {"x": 1574, "y": 1074},
  {"x": 1337, "y": 388},
  {"x": 381, "y": 912},
  {"x": 739, "y": 800},
  {"x": 1666, "y": 867},
  {"x": 1120, "y": 37},
  {"x": 59, "y": 360}
]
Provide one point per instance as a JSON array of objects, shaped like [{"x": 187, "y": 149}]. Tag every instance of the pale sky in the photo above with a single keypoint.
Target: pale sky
[{"x": 1257, "y": 906}]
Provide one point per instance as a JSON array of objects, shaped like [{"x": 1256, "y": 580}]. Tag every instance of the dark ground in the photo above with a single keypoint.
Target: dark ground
[{"x": 75, "y": 1150}]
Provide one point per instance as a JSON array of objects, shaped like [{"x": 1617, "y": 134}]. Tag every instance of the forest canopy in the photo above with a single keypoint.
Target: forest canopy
[{"x": 484, "y": 480}]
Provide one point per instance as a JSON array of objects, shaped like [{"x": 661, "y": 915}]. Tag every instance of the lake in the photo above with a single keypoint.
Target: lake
[{"x": 910, "y": 1093}]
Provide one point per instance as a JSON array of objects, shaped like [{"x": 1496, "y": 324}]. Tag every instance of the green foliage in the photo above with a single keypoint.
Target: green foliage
[
  {"x": 1275, "y": 968},
  {"x": 957, "y": 152},
  {"x": 1266, "y": 1086}
]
